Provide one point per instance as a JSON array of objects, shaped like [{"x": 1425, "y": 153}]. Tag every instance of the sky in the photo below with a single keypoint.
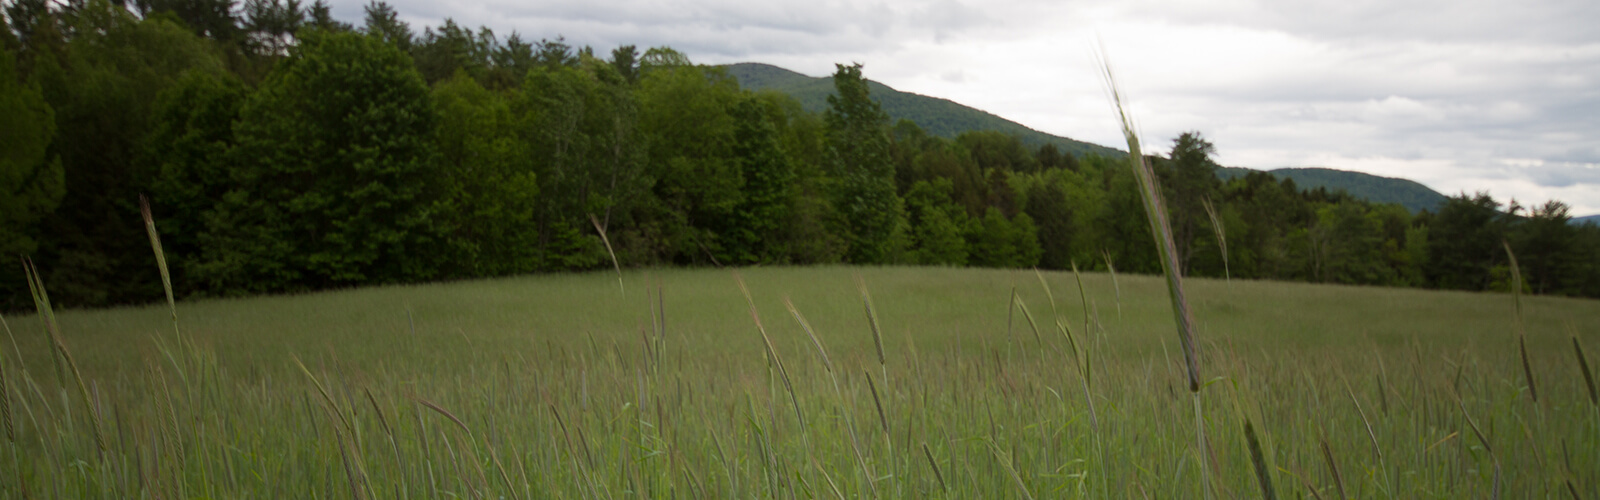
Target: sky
[{"x": 1460, "y": 95}]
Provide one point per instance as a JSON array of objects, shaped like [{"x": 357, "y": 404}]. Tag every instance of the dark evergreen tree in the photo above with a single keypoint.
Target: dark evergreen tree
[
  {"x": 1546, "y": 247},
  {"x": 383, "y": 22},
  {"x": 212, "y": 19},
  {"x": 1188, "y": 179},
  {"x": 626, "y": 60},
  {"x": 1464, "y": 242},
  {"x": 451, "y": 48},
  {"x": 271, "y": 25},
  {"x": 1048, "y": 207},
  {"x": 320, "y": 17}
]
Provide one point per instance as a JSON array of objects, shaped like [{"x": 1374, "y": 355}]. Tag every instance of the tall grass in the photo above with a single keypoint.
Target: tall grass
[
  {"x": 1522, "y": 336},
  {"x": 1161, "y": 231},
  {"x": 513, "y": 395},
  {"x": 1221, "y": 234}
]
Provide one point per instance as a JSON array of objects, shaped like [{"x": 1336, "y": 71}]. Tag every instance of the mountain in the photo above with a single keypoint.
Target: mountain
[
  {"x": 939, "y": 117},
  {"x": 946, "y": 118},
  {"x": 1594, "y": 219},
  {"x": 1410, "y": 194}
]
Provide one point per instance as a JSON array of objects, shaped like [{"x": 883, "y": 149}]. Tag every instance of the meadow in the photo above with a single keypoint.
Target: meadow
[{"x": 901, "y": 382}]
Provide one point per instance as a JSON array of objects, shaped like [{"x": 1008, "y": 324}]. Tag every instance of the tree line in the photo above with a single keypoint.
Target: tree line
[{"x": 284, "y": 151}]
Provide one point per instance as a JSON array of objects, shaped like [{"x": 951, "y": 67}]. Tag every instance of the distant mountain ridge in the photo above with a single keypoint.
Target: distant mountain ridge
[
  {"x": 939, "y": 117},
  {"x": 946, "y": 118},
  {"x": 1408, "y": 193}
]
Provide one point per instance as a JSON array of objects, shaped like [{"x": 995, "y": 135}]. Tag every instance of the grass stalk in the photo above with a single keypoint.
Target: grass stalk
[
  {"x": 933, "y": 464},
  {"x": 1161, "y": 230},
  {"x": 614, "y": 263},
  {"x": 883, "y": 366},
  {"x": 1333, "y": 468},
  {"x": 872, "y": 320},
  {"x": 1115, "y": 287},
  {"x": 849, "y": 423},
  {"x": 161, "y": 261},
  {"x": 5, "y": 400},
  {"x": 1222, "y": 236},
  {"x": 41, "y": 301},
  {"x": 772, "y": 353},
  {"x": 1583, "y": 365},
  {"x": 1522, "y": 336},
  {"x": 1081, "y": 358},
  {"x": 1484, "y": 440},
  {"x": 1263, "y": 473}
]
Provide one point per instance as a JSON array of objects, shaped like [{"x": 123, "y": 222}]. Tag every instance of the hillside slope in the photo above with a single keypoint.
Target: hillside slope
[
  {"x": 1408, "y": 193},
  {"x": 940, "y": 117},
  {"x": 946, "y": 118}
]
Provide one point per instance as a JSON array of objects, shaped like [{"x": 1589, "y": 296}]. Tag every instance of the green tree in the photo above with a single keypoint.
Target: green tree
[
  {"x": 1025, "y": 237},
  {"x": 1546, "y": 246},
  {"x": 626, "y": 61},
  {"x": 858, "y": 155},
  {"x": 661, "y": 58},
  {"x": 998, "y": 150},
  {"x": 333, "y": 163},
  {"x": 512, "y": 61},
  {"x": 1464, "y": 242},
  {"x": 104, "y": 95},
  {"x": 271, "y": 25},
  {"x": 320, "y": 17},
  {"x": 1127, "y": 233},
  {"x": 383, "y": 22},
  {"x": 994, "y": 241},
  {"x": 188, "y": 158},
  {"x": 1269, "y": 210},
  {"x": 30, "y": 176},
  {"x": 692, "y": 133},
  {"x": 212, "y": 19},
  {"x": 441, "y": 52},
  {"x": 1190, "y": 178},
  {"x": 937, "y": 224},
  {"x": 582, "y": 125},
  {"x": 1048, "y": 206},
  {"x": 40, "y": 32},
  {"x": 765, "y": 213},
  {"x": 1346, "y": 245},
  {"x": 554, "y": 53},
  {"x": 811, "y": 236},
  {"x": 487, "y": 189},
  {"x": 1050, "y": 157}
]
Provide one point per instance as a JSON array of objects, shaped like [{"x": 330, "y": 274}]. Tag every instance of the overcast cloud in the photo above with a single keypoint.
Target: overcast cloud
[{"x": 1461, "y": 95}]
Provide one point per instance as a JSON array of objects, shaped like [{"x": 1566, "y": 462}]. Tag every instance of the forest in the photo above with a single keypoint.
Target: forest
[{"x": 281, "y": 150}]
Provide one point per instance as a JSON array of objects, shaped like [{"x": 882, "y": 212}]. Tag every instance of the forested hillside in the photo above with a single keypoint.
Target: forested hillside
[
  {"x": 1405, "y": 192},
  {"x": 939, "y": 117},
  {"x": 283, "y": 151},
  {"x": 944, "y": 118}
]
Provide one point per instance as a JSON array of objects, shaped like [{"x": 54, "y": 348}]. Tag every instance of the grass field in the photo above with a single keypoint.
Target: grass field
[{"x": 565, "y": 386}]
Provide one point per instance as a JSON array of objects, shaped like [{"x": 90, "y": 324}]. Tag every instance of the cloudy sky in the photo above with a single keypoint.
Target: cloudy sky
[{"x": 1461, "y": 95}]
